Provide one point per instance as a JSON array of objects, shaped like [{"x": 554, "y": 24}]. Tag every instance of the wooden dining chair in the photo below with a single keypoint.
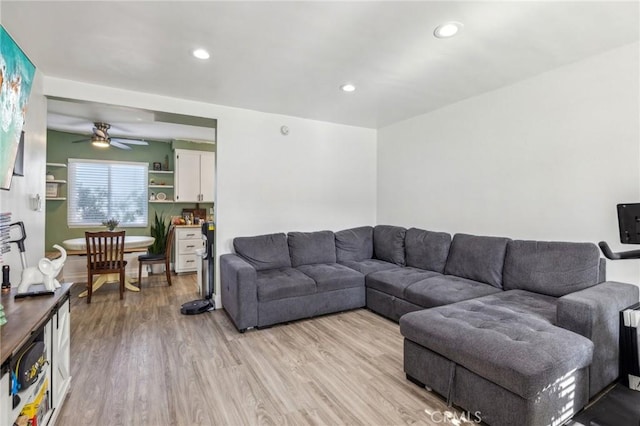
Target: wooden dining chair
[
  {"x": 150, "y": 259},
  {"x": 105, "y": 255}
]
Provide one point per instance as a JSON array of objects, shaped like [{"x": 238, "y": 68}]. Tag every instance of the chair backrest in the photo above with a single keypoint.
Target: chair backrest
[
  {"x": 105, "y": 250},
  {"x": 169, "y": 246}
]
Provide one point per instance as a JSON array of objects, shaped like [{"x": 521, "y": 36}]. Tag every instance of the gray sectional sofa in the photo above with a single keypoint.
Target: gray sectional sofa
[{"x": 531, "y": 324}]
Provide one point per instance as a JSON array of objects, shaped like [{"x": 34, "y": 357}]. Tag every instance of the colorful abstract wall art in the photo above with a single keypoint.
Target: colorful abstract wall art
[{"x": 16, "y": 79}]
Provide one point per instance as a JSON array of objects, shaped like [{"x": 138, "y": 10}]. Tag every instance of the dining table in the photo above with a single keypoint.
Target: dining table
[{"x": 132, "y": 243}]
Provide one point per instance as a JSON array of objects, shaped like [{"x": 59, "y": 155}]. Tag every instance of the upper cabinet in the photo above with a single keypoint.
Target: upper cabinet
[{"x": 195, "y": 176}]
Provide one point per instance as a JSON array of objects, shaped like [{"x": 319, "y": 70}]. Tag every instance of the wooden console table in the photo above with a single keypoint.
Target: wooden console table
[{"x": 44, "y": 318}]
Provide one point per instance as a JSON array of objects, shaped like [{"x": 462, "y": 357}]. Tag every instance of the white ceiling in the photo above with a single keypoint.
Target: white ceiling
[{"x": 291, "y": 57}]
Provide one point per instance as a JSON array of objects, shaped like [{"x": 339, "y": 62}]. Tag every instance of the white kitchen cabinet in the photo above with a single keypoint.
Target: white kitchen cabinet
[
  {"x": 188, "y": 240},
  {"x": 195, "y": 173}
]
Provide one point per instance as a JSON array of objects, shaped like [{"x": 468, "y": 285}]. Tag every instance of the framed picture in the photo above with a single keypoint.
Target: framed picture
[
  {"x": 18, "y": 168},
  {"x": 15, "y": 85},
  {"x": 157, "y": 165}
]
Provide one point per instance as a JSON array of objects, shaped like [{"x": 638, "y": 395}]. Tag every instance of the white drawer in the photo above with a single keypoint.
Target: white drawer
[
  {"x": 187, "y": 262},
  {"x": 188, "y": 233},
  {"x": 189, "y": 246}
]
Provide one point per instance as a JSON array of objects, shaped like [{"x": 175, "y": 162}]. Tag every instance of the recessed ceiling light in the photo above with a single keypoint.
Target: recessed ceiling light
[
  {"x": 201, "y": 54},
  {"x": 448, "y": 29},
  {"x": 348, "y": 87}
]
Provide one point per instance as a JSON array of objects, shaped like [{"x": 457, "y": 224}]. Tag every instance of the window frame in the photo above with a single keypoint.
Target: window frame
[{"x": 72, "y": 185}]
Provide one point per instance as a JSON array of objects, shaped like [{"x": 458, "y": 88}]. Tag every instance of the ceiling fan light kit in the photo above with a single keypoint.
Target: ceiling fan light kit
[
  {"x": 100, "y": 138},
  {"x": 100, "y": 143}
]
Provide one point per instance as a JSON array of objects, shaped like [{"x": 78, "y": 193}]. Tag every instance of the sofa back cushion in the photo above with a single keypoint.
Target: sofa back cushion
[
  {"x": 477, "y": 258},
  {"x": 388, "y": 243},
  {"x": 308, "y": 248},
  {"x": 354, "y": 244},
  {"x": 264, "y": 252},
  {"x": 427, "y": 249},
  {"x": 551, "y": 268}
]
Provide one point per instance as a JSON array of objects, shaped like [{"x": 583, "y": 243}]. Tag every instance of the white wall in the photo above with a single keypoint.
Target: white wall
[
  {"x": 321, "y": 176},
  {"x": 546, "y": 158},
  {"x": 16, "y": 200}
]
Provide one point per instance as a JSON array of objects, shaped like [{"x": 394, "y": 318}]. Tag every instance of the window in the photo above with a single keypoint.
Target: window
[{"x": 100, "y": 190}]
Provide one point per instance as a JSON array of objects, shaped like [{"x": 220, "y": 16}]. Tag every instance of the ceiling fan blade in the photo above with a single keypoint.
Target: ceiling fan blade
[
  {"x": 81, "y": 140},
  {"x": 118, "y": 144},
  {"x": 130, "y": 141}
]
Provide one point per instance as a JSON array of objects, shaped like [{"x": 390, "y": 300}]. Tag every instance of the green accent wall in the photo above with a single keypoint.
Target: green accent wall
[{"x": 60, "y": 148}]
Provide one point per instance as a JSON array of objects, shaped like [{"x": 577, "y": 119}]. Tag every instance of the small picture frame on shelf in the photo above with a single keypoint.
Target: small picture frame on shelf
[{"x": 157, "y": 165}]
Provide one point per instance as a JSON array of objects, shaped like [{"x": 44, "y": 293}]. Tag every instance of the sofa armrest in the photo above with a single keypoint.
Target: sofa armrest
[
  {"x": 238, "y": 282},
  {"x": 595, "y": 314}
]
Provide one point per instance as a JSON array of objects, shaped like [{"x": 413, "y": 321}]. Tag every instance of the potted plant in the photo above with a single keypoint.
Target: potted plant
[
  {"x": 111, "y": 223},
  {"x": 159, "y": 231}
]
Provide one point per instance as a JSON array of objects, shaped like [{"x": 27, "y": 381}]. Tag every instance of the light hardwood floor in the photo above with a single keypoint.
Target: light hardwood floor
[{"x": 140, "y": 362}]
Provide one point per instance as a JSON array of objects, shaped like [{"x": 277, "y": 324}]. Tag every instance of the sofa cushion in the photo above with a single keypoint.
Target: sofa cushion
[
  {"x": 477, "y": 258},
  {"x": 446, "y": 289},
  {"x": 520, "y": 352},
  {"x": 395, "y": 281},
  {"x": 264, "y": 251},
  {"x": 332, "y": 276},
  {"x": 427, "y": 249},
  {"x": 307, "y": 248},
  {"x": 523, "y": 302},
  {"x": 368, "y": 266},
  {"x": 551, "y": 268},
  {"x": 388, "y": 243},
  {"x": 355, "y": 244},
  {"x": 281, "y": 283}
]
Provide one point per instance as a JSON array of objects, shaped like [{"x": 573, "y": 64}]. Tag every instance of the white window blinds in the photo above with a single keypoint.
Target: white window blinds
[{"x": 100, "y": 190}]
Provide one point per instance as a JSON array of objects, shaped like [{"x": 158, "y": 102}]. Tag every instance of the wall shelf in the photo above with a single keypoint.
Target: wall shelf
[
  {"x": 163, "y": 188},
  {"x": 53, "y": 186}
]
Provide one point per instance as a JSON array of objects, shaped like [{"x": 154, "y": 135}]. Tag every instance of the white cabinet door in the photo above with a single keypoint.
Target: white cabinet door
[
  {"x": 5, "y": 400},
  {"x": 187, "y": 176},
  {"x": 195, "y": 176},
  {"x": 61, "y": 373},
  {"x": 208, "y": 176}
]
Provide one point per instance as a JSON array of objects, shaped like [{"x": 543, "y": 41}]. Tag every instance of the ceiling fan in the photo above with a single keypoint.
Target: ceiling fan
[{"x": 101, "y": 139}]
